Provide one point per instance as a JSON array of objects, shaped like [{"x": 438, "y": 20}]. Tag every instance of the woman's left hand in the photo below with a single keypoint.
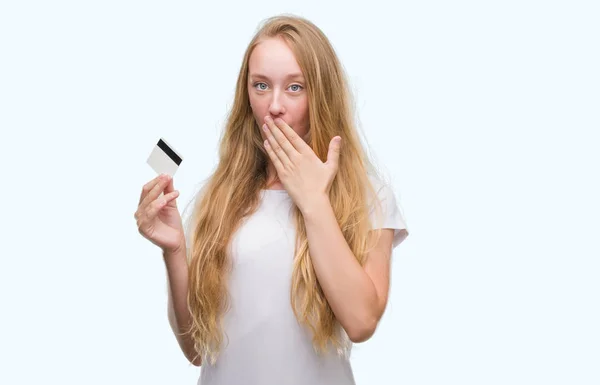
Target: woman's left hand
[{"x": 305, "y": 177}]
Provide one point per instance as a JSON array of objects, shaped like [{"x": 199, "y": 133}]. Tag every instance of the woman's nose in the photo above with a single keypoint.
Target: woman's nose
[{"x": 276, "y": 106}]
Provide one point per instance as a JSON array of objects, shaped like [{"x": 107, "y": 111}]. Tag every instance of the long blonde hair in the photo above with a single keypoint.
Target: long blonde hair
[{"x": 232, "y": 192}]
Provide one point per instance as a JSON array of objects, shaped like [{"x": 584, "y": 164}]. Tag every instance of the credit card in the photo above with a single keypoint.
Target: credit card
[{"x": 164, "y": 158}]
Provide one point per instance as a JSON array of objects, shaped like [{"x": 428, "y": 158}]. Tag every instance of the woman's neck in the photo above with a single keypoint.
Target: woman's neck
[{"x": 273, "y": 182}]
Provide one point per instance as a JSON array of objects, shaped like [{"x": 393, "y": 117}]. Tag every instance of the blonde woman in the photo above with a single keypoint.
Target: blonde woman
[{"x": 285, "y": 259}]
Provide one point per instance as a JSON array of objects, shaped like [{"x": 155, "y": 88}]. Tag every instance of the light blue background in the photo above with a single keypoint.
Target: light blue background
[{"x": 485, "y": 115}]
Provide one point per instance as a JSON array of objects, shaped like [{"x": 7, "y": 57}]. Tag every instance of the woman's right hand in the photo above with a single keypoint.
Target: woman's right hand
[{"x": 158, "y": 218}]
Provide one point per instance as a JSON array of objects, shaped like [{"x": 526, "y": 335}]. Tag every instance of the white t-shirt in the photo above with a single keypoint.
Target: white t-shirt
[{"x": 264, "y": 344}]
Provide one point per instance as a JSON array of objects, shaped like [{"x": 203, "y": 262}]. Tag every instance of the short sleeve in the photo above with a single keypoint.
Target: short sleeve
[{"x": 391, "y": 213}]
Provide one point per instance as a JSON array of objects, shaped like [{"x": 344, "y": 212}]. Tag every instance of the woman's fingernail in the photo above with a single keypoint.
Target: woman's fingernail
[{"x": 265, "y": 128}]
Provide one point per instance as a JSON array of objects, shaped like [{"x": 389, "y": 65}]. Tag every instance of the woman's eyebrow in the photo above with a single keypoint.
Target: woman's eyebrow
[{"x": 290, "y": 76}]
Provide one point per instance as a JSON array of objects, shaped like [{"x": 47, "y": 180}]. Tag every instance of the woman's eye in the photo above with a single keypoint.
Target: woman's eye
[{"x": 263, "y": 87}]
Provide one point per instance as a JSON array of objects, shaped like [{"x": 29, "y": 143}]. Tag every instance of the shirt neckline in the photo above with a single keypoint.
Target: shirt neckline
[{"x": 273, "y": 191}]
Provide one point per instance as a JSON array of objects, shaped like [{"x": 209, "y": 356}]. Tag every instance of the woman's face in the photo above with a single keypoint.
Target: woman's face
[{"x": 276, "y": 86}]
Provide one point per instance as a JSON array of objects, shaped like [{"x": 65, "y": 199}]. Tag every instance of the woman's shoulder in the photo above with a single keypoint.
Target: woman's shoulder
[
  {"x": 381, "y": 184},
  {"x": 391, "y": 214}
]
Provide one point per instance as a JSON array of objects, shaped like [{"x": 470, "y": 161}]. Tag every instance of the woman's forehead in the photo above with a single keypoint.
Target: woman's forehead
[{"x": 273, "y": 58}]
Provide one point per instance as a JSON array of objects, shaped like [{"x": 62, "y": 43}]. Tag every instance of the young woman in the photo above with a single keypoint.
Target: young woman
[{"x": 285, "y": 259}]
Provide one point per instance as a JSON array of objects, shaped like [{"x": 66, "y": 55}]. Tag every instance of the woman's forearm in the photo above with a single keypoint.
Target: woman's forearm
[
  {"x": 178, "y": 313},
  {"x": 347, "y": 287}
]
